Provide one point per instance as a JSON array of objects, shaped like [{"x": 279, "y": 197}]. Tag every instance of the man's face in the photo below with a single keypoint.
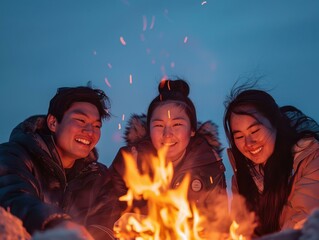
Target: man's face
[{"x": 77, "y": 133}]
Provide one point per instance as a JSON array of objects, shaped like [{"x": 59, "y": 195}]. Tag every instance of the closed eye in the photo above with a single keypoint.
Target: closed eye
[
  {"x": 238, "y": 137},
  {"x": 253, "y": 132},
  {"x": 80, "y": 120}
]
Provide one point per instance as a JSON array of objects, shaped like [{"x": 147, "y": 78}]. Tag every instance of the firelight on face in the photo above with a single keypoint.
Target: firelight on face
[{"x": 254, "y": 136}]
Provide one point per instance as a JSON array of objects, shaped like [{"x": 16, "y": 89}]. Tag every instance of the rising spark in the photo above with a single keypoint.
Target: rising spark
[
  {"x": 144, "y": 23},
  {"x": 152, "y": 23},
  {"x": 107, "y": 82},
  {"x": 204, "y": 2},
  {"x": 122, "y": 41},
  {"x": 131, "y": 79},
  {"x": 172, "y": 64},
  {"x": 120, "y": 127},
  {"x": 123, "y": 117},
  {"x": 109, "y": 65},
  {"x": 185, "y": 39}
]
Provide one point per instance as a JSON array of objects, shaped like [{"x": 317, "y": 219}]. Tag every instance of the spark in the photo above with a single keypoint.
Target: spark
[
  {"x": 120, "y": 126},
  {"x": 122, "y": 41},
  {"x": 123, "y": 117},
  {"x": 144, "y": 23},
  {"x": 204, "y": 2},
  {"x": 107, "y": 82},
  {"x": 185, "y": 39},
  {"x": 131, "y": 79},
  {"x": 152, "y": 23},
  {"x": 142, "y": 37},
  {"x": 172, "y": 64},
  {"x": 109, "y": 65}
]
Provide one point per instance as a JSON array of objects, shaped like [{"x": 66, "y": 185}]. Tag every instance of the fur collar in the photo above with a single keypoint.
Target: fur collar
[
  {"x": 34, "y": 130},
  {"x": 136, "y": 131}
]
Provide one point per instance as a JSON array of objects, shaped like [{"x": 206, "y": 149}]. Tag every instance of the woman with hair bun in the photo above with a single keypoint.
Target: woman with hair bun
[{"x": 193, "y": 148}]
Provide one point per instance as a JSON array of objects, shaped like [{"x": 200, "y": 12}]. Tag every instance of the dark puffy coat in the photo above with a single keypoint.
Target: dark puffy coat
[
  {"x": 35, "y": 187},
  {"x": 202, "y": 160}
]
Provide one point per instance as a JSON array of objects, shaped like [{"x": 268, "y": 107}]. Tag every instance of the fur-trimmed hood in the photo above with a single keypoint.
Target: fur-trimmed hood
[
  {"x": 33, "y": 133},
  {"x": 136, "y": 131}
]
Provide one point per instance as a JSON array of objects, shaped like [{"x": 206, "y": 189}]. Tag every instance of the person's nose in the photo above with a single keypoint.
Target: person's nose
[
  {"x": 249, "y": 141},
  {"x": 88, "y": 129},
  {"x": 168, "y": 131}
]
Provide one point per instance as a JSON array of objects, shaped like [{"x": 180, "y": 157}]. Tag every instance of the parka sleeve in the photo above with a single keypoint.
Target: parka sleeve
[
  {"x": 304, "y": 196},
  {"x": 105, "y": 210},
  {"x": 117, "y": 169},
  {"x": 20, "y": 192}
]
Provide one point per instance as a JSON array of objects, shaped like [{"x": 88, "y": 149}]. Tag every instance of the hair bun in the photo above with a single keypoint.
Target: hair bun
[{"x": 167, "y": 86}]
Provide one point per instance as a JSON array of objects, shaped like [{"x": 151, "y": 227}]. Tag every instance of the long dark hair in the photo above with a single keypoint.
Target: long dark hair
[{"x": 268, "y": 205}]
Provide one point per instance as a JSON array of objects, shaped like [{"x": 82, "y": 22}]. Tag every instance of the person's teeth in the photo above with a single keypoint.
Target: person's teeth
[
  {"x": 84, "y": 141},
  {"x": 169, "y": 144},
  {"x": 256, "y": 151}
]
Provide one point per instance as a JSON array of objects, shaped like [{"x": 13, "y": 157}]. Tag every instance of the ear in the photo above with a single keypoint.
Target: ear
[
  {"x": 52, "y": 122},
  {"x": 192, "y": 133}
]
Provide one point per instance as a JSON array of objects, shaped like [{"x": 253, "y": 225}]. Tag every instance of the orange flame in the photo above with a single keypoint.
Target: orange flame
[{"x": 169, "y": 214}]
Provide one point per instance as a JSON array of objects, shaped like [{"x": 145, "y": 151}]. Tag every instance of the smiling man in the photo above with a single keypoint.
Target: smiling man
[{"x": 49, "y": 174}]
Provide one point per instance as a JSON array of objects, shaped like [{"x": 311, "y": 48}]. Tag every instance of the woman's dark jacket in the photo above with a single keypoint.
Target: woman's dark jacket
[
  {"x": 202, "y": 160},
  {"x": 35, "y": 187}
]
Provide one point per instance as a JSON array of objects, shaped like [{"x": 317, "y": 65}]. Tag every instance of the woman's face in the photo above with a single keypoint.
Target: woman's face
[
  {"x": 170, "y": 127},
  {"x": 253, "y": 135}
]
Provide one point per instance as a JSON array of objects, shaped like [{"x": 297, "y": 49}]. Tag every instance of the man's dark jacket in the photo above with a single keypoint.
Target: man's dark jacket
[{"x": 35, "y": 187}]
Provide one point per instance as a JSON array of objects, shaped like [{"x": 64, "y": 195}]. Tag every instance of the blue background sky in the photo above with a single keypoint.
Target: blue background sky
[{"x": 46, "y": 44}]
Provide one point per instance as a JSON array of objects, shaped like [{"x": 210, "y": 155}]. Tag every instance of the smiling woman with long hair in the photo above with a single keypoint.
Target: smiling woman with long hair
[{"x": 274, "y": 152}]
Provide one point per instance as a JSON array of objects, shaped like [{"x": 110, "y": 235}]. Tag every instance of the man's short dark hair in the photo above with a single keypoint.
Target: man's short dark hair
[{"x": 66, "y": 96}]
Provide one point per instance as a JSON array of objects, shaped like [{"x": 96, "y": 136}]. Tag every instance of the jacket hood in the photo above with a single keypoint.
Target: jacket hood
[
  {"x": 136, "y": 131},
  {"x": 35, "y": 135}
]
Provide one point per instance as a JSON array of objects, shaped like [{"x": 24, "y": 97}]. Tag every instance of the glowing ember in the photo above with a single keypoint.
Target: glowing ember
[
  {"x": 152, "y": 23},
  {"x": 233, "y": 229},
  {"x": 107, "y": 82},
  {"x": 120, "y": 126},
  {"x": 172, "y": 64},
  {"x": 122, "y": 41},
  {"x": 109, "y": 65},
  {"x": 204, "y": 2},
  {"x": 123, "y": 117},
  {"x": 131, "y": 79},
  {"x": 144, "y": 23},
  {"x": 185, "y": 39}
]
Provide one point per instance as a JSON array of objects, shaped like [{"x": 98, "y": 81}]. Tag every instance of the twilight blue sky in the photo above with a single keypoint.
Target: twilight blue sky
[{"x": 46, "y": 44}]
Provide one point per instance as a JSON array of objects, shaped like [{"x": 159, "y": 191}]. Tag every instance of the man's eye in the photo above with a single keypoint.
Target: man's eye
[
  {"x": 178, "y": 124},
  {"x": 80, "y": 120}
]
